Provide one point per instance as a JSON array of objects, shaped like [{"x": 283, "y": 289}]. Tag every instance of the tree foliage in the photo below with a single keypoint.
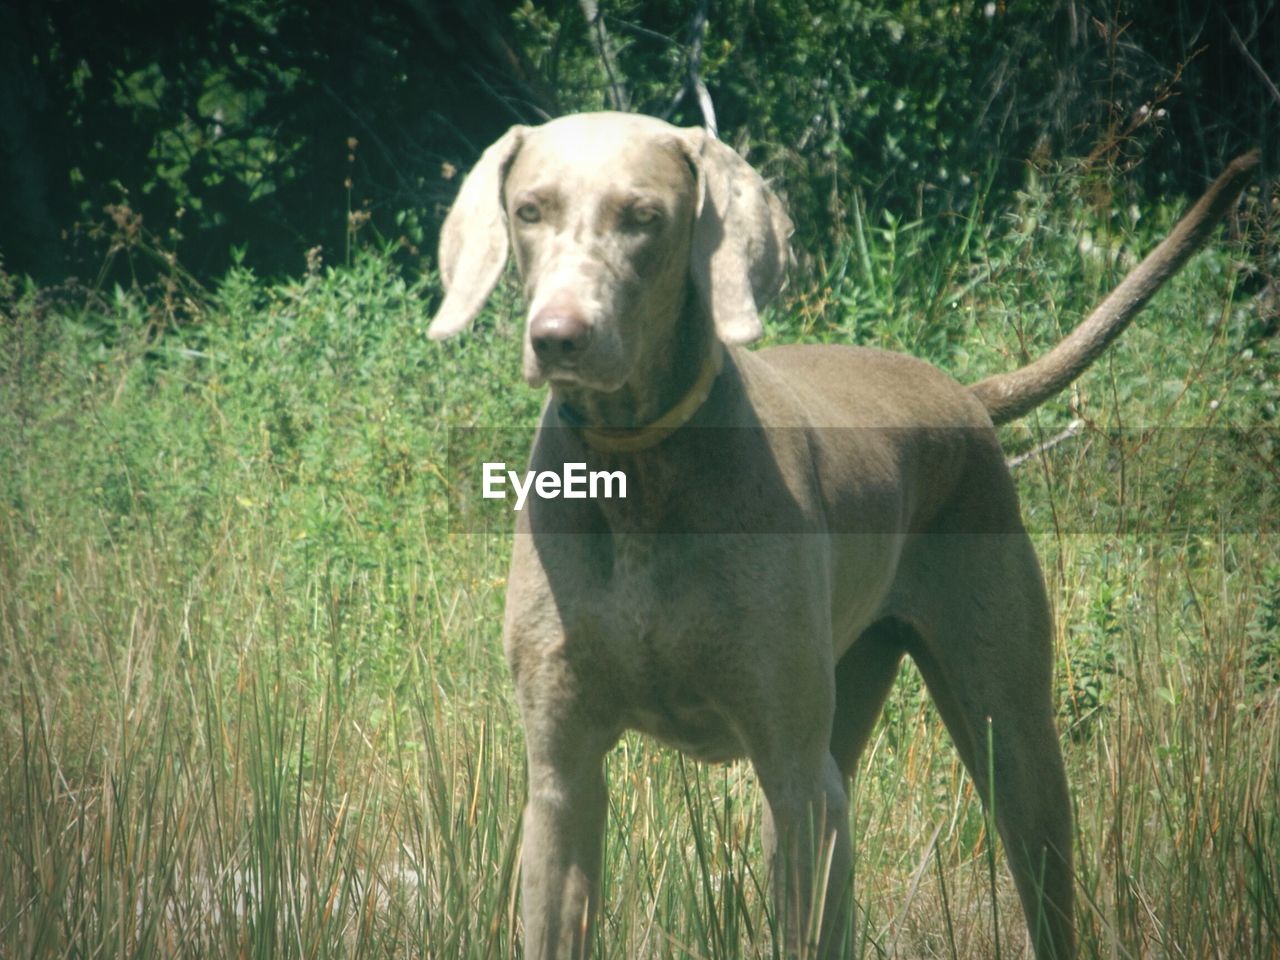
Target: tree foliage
[{"x": 258, "y": 130}]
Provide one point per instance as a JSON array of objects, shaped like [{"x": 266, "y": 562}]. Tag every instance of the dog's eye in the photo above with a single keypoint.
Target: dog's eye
[
  {"x": 529, "y": 212},
  {"x": 642, "y": 216}
]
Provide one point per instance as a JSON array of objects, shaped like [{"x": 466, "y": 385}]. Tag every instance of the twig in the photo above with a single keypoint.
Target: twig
[
  {"x": 697, "y": 30},
  {"x": 508, "y": 103},
  {"x": 516, "y": 65},
  {"x": 1257, "y": 67},
  {"x": 1071, "y": 429},
  {"x": 618, "y": 98},
  {"x": 644, "y": 33},
  {"x": 676, "y": 100}
]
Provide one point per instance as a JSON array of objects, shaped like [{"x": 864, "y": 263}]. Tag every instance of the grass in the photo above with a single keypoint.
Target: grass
[{"x": 252, "y": 698}]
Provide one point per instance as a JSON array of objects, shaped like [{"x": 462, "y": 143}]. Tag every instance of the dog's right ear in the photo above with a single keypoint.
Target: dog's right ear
[{"x": 473, "y": 240}]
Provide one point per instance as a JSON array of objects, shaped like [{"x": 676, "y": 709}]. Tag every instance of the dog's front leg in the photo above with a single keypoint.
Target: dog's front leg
[{"x": 564, "y": 825}]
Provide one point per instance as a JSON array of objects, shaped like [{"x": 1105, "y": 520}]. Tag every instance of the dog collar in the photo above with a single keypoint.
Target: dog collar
[{"x": 631, "y": 439}]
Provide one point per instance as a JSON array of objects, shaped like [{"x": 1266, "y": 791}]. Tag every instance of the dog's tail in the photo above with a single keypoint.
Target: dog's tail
[{"x": 1008, "y": 396}]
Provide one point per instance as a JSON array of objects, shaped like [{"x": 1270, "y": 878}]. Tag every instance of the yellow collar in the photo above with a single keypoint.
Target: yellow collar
[{"x": 631, "y": 439}]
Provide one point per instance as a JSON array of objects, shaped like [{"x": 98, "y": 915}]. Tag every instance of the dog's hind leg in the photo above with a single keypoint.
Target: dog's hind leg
[{"x": 985, "y": 652}]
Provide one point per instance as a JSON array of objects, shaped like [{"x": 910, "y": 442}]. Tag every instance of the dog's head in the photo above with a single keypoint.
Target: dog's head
[{"x": 610, "y": 217}]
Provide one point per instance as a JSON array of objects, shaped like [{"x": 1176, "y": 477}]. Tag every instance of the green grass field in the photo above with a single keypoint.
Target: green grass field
[{"x": 252, "y": 697}]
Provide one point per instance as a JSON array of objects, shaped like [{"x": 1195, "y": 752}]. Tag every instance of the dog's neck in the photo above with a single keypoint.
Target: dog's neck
[{"x": 669, "y": 383}]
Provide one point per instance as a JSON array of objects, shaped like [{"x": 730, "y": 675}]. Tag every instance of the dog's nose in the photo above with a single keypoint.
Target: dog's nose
[{"x": 558, "y": 335}]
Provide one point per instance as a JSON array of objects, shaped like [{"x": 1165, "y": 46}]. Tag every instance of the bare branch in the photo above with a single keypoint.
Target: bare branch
[
  {"x": 619, "y": 98},
  {"x": 1071, "y": 430},
  {"x": 1257, "y": 67},
  {"x": 676, "y": 100},
  {"x": 644, "y": 33},
  {"x": 697, "y": 31},
  {"x": 518, "y": 68}
]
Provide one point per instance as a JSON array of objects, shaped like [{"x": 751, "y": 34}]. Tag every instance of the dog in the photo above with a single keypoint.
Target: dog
[{"x": 798, "y": 520}]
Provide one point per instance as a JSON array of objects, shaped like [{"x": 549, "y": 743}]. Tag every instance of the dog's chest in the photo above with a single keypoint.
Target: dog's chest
[
  {"x": 656, "y": 630},
  {"x": 673, "y": 650}
]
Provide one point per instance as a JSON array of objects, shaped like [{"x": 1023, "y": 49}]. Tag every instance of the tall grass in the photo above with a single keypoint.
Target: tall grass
[{"x": 253, "y": 697}]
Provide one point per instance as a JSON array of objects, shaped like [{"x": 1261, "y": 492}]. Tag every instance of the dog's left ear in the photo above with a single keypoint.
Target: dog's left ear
[
  {"x": 740, "y": 250},
  {"x": 473, "y": 240}
]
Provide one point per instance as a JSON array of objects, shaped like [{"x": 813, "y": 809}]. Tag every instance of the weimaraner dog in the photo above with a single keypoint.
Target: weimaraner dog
[{"x": 755, "y": 592}]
